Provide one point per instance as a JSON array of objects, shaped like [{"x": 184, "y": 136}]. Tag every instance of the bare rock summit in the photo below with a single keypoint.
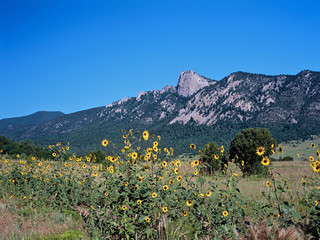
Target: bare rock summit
[{"x": 190, "y": 82}]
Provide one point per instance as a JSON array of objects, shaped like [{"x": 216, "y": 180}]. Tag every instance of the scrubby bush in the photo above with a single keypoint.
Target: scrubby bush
[{"x": 213, "y": 157}]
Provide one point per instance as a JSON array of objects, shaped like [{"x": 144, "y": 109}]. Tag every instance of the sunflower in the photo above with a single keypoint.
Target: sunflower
[
  {"x": 164, "y": 164},
  {"x": 105, "y": 142},
  {"x": 179, "y": 178},
  {"x": 260, "y": 151},
  {"x": 311, "y": 159},
  {"x": 140, "y": 179},
  {"x": 178, "y": 163},
  {"x": 159, "y": 138},
  {"x": 126, "y": 183},
  {"x": 268, "y": 183},
  {"x": 66, "y": 164},
  {"x": 171, "y": 182},
  {"x": 139, "y": 201},
  {"x": 54, "y": 154},
  {"x": 134, "y": 155},
  {"x": 185, "y": 213},
  {"x": 176, "y": 170},
  {"x": 136, "y": 187},
  {"x": 145, "y": 135},
  {"x": 316, "y": 168},
  {"x": 165, "y": 209},
  {"x": 209, "y": 193},
  {"x": 222, "y": 149},
  {"x": 195, "y": 172},
  {"x": 313, "y": 145},
  {"x": 189, "y": 203},
  {"x": 280, "y": 149},
  {"x": 147, "y": 219},
  {"x": 84, "y": 166},
  {"x": 225, "y": 213},
  {"x": 154, "y": 195},
  {"x": 242, "y": 163},
  {"x": 124, "y": 207},
  {"x": 155, "y": 143},
  {"x": 165, "y": 187},
  {"x": 193, "y": 146},
  {"x": 216, "y": 156},
  {"x": 196, "y": 162},
  {"x": 265, "y": 161}
]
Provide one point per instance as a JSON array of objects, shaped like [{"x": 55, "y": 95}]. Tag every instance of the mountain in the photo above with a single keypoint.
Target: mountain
[
  {"x": 198, "y": 110},
  {"x": 18, "y": 123}
]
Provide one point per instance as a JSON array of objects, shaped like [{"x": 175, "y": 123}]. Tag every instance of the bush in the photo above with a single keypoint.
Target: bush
[
  {"x": 286, "y": 158},
  {"x": 243, "y": 149},
  {"x": 212, "y": 156}
]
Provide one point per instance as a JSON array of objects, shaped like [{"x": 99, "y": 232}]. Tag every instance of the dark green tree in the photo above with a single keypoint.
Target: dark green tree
[
  {"x": 243, "y": 149},
  {"x": 212, "y": 157},
  {"x": 98, "y": 156}
]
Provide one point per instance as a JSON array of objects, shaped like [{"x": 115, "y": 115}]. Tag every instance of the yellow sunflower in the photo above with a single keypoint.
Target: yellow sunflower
[
  {"x": 189, "y": 203},
  {"x": 165, "y": 187},
  {"x": 134, "y": 155},
  {"x": 265, "y": 161},
  {"x": 268, "y": 183},
  {"x": 260, "y": 151},
  {"x": 105, "y": 142},
  {"x": 225, "y": 213},
  {"x": 145, "y": 135},
  {"x": 193, "y": 146}
]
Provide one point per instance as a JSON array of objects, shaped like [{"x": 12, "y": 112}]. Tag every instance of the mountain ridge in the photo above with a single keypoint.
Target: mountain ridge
[{"x": 286, "y": 104}]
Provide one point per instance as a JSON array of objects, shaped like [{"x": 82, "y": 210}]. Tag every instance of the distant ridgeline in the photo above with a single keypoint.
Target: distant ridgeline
[{"x": 198, "y": 110}]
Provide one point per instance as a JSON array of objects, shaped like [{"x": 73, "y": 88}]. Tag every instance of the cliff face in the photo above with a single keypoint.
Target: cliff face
[{"x": 190, "y": 82}]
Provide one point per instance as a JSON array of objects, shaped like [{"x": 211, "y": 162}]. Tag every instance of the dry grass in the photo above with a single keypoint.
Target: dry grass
[{"x": 17, "y": 222}]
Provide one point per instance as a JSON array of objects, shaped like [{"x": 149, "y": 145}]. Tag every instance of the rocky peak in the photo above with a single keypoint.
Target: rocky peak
[
  {"x": 190, "y": 82},
  {"x": 168, "y": 88}
]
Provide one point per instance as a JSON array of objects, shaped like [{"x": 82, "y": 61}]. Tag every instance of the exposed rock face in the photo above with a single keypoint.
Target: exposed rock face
[{"x": 190, "y": 82}]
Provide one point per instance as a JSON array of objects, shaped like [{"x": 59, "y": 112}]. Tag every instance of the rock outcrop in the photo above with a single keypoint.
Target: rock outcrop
[{"x": 190, "y": 82}]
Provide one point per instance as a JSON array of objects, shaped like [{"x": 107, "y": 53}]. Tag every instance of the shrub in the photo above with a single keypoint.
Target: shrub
[
  {"x": 286, "y": 158},
  {"x": 244, "y": 147},
  {"x": 212, "y": 156}
]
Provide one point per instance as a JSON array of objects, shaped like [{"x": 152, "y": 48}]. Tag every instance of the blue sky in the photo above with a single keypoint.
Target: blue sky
[{"x": 71, "y": 55}]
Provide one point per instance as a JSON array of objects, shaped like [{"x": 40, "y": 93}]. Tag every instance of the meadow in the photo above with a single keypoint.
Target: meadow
[{"x": 143, "y": 191}]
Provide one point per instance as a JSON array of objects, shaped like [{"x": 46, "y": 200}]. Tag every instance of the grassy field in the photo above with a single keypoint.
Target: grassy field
[{"x": 303, "y": 148}]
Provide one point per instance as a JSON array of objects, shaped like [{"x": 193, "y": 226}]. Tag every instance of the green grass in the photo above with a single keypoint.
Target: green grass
[{"x": 304, "y": 148}]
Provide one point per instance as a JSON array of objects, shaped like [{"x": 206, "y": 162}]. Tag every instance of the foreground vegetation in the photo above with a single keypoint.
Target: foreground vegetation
[{"x": 143, "y": 192}]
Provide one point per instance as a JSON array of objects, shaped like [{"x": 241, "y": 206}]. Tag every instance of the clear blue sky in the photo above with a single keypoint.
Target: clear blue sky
[{"x": 71, "y": 55}]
